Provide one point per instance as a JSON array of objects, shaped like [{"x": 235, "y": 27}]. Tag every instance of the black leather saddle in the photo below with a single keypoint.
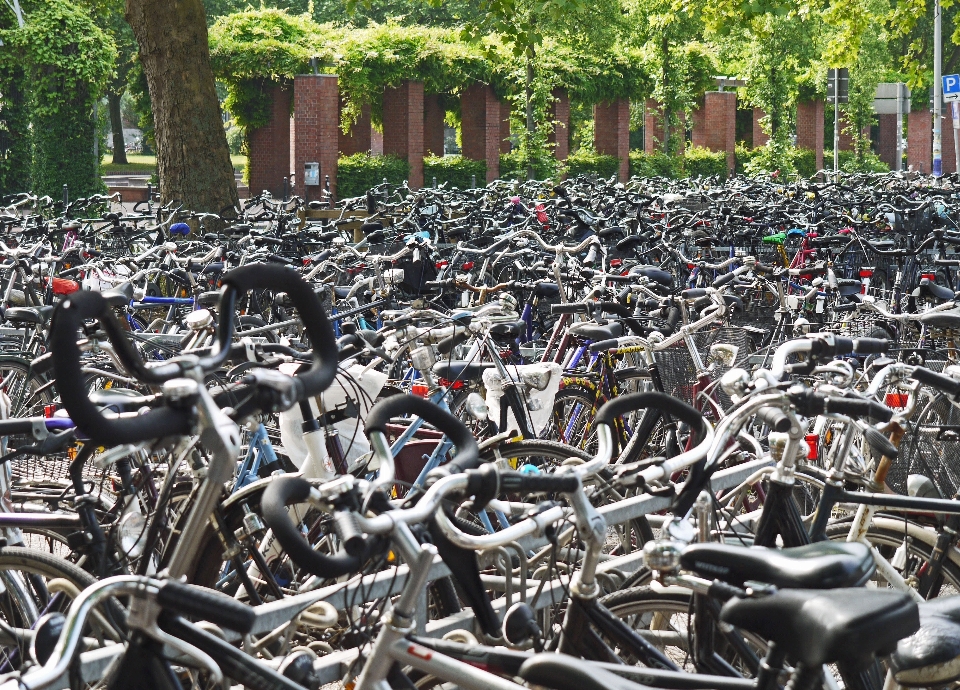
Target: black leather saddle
[
  {"x": 120, "y": 400},
  {"x": 820, "y": 627},
  {"x": 460, "y": 370},
  {"x": 824, "y": 565},
  {"x": 596, "y": 331},
  {"x": 931, "y": 656}
]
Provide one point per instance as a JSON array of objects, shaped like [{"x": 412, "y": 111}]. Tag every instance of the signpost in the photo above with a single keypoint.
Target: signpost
[
  {"x": 894, "y": 99},
  {"x": 838, "y": 89}
]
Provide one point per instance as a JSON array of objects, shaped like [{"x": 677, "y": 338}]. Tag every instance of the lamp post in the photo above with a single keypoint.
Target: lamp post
[{"x": 937, "y": 93}]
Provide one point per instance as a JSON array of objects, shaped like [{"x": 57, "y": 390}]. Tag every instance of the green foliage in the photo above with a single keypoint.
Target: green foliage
[
  {"x": 142, "y": 106},
  {"x": 849, "y": 162},
  {"x": 68, "y": 60},
  {"x": 743, "y": 154},
  {"x": 586, "y": 162},
  {"x": 657, "y": 164},
  {"x": 455, "y": 170},
  {"x": 14, "y": 131},
  {"x": 361, "y": 171},
  {"x": 702, "y": 162},
  {"x": 805, "y": 161},
  {"x": 513, "y": 166}
]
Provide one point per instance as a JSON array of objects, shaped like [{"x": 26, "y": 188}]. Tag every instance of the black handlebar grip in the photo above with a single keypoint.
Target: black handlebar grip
[
  {"x": 291, "y": 489},
  {"x": 763, "y": 268},
  {"x": 17, "y": 426},
  {"x": 602, "y": 345},
  {"x": 552, "y": 483},
  {"x": 857, "y": 407},
  {"x": 666, "y": 404},
  {"x": 468, "y": 454},
  {"x": 348, "y": 529},
  {"x": 775, "y": 419},
  {"x": 879, "y": 443},
  {"x": 720, "y": 281},
  {"x": 673, "y": 318},
  {"x": 845, "y": 307},
  {"x": 446, "y": 345},
  {"x": 67, "y": 319},
  {"x": 693, "y": 293},
  {"x": 870, "y": 346},
  {"x": 572, "y": 308},
  {"x": 323, "y": 256},
  {"x": 284, "y": 279},
  {"x": 616, "y": 308},
  {"x": 942, "y": 383},
  {"x": 206, "y": 604}
]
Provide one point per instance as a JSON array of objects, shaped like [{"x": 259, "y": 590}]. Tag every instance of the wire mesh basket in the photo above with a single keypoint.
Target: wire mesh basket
[
  {"x": 679, "y": 374},
  {"x": 931, "y": 448}
]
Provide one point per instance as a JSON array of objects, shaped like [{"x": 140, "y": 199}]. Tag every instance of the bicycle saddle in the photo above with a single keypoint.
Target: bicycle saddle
[
  {"x": 546, "y": 289},
  {"x": 820, "y": 627},
  {"x": 653, "y": 273},
  {"x": 209, "y": 299},
  {"x": 823, "y": 565},
  {"x": 942, "y": 319},
  {"x": 930, "y": 290},
  {"x": 460, "y": 370},
  {"x": 849, "y": 286},
  {"x": 119, "y": 295},
  {"x": 510, "y": 329},
  {"x": 931, "y": 656},
  {"x": 120, "y": 400},
  {"x": 563, "y": 672},
  {"x": 596, "y": 331},
  {"x": 37, "y": 315}
]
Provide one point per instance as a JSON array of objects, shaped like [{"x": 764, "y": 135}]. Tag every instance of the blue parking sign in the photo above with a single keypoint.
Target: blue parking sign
[{"x": 951, "y": 87}]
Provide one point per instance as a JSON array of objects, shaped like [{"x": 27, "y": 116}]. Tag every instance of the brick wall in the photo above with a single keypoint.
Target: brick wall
[
  {"x": 505, "y": 109},
  {"x": 403, "y": 126},
  {"x": 715, "y": 123},
  {"x": 316, "y": 109},
  {"x": 269, "y": 159},
  {"x": 611, "y": 132},
  {"x": 559, "y": 113},
  {"x": 946, "y": 142},
  {"x": 920, "y": 141},
  {"x": 433, "y": 114},
  {"x": 887, "y": 140},
  {"x": 810, "y": 125},
  {"x": 358, "y": 140},
  {"x": 653, "y": 129},
  {"x": 480, "y": 123},
  {"x": 760, "y": 137}
]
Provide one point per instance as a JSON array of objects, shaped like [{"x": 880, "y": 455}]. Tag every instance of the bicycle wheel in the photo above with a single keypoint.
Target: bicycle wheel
[{"x": 25, "y": 390}]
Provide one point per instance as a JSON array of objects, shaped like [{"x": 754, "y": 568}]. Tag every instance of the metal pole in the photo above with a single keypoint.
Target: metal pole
[
  {"x": 955, "y": 111},
  {"x": 937, "y": 93},
  {"x": 836, "y": 125},
  {"x": 898, "y": 166},
  {"x": 96, "y": 133}
]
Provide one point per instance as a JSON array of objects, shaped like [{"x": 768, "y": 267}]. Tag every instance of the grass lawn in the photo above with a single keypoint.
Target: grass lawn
[{"x": 138, "y": 164}]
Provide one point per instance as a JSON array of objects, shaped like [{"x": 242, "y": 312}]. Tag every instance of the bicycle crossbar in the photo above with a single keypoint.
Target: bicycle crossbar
[{"x": 333, "y": 667}]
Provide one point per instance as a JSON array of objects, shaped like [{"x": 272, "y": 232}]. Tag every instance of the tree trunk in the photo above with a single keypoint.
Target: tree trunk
[
  {"x": 665, "y": 77},
  {"x": 531, "y": 125},
  {"x": 193, "y": 160},
  {"x": 116, "y": 126}
]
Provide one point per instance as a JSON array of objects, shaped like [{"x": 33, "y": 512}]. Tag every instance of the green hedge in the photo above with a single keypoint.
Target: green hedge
[
  {"x": 592, "y": 163},
  {"x": 702, "y": 162},
  {"x": 457, "y": 170},
  {"x": 848, "y": 162},
  {"x": 805, "y": 160},
  {"x": 361, "y": 171},
  {"x": 742, "y": 155},
  {"x": 513, "y": 166},
  {"x": 655, "y": 164}
]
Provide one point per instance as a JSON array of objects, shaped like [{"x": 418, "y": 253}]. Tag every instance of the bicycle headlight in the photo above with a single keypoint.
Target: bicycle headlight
[{"x": 132, "y": 532}]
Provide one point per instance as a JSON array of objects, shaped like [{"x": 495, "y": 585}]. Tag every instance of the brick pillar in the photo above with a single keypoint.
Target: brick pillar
[
  {"x": 358, "y": 140},
  {"x": 887, "y": 140},
  {"x": 715, "y": 123},
  {"x": 505, "y": 109},
  {"x": 560, "y": 115},
  {"x": 611, "y": 132},
  {"x": 760, "y": 138},
  {"x": 316, "y": 108},
  {"x": 403, "y": 126},
  {"x": 270, "y": 146},
  {"x": 920, "y": 141},
  {"x": 810, "y": 128},
  {"x": 433, "y": 114},
  {"x": 480, "y": 118},
  {"x": 653, "y": 129},
  {"x": 946, "y": 143}
]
